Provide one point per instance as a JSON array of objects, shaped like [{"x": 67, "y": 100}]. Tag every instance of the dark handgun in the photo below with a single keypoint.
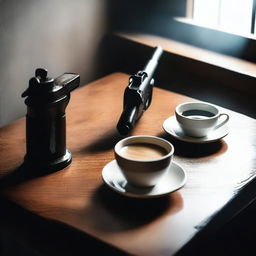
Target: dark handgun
[{"x": 138, "y": 94}]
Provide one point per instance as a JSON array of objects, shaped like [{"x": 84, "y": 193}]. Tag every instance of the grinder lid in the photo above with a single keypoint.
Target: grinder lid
[{"x": 45, "y": 89}]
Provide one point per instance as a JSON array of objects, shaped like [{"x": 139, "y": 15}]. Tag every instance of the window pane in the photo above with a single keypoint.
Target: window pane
[
  {"x": 236, "y": 15},
  {"x": 206, "y": 12}
]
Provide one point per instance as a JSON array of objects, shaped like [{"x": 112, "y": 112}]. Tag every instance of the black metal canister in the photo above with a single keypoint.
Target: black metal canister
[{"x": 46, "y": 100}]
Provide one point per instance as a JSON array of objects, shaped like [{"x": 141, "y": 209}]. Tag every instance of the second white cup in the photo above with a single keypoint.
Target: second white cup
[{"x": 197, "y": 119}]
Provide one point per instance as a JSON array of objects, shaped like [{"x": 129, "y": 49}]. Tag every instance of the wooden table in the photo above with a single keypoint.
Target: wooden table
[{"x": 77, "y": 197}]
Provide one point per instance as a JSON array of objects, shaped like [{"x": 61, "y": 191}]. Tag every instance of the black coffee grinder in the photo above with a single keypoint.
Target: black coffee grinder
[{"x": 46, "y": 101}]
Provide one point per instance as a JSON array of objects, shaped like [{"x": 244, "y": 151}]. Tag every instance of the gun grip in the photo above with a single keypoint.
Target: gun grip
[{"x": 127, "y": 120}]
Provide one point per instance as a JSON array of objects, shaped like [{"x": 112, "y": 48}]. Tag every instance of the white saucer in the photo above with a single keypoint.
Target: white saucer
[
  {"x": 174, "y": 179},
  {"x": 171, "y": 126}
]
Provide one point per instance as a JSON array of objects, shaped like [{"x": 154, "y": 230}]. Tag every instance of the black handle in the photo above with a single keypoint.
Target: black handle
[{"x": 127, "y": 120}]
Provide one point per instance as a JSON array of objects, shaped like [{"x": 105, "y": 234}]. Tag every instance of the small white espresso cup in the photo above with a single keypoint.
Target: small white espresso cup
[
  {"x": 197, "y": 119},
  {"x": 143, "y": 159}
]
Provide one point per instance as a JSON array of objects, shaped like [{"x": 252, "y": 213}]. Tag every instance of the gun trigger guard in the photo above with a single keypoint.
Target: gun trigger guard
[{"x": 135, "y": 81}]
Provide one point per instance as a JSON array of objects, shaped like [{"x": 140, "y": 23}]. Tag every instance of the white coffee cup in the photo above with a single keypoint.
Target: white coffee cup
[
  {"x": 143, "y": 159},
  {"x": 197, "y": 119}
]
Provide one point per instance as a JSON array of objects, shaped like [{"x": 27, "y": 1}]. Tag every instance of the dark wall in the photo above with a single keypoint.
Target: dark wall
[{"x": 144, "y": 15}]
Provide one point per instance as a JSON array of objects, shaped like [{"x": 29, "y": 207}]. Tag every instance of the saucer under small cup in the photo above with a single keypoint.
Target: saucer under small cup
[
  {"x": 171, "y": 126},
  {"x": 174, "y": 179}
]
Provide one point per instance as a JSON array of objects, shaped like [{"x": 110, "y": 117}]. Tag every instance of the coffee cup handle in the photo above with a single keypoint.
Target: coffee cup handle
[{"x": 223, "y": 121}]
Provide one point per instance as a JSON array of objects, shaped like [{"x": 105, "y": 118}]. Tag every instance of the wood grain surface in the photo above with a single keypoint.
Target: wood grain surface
[{"x": 76, "y": 195}]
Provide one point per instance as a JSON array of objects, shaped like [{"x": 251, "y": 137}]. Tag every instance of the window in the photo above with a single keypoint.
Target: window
[{"x": 234, "y": 16}]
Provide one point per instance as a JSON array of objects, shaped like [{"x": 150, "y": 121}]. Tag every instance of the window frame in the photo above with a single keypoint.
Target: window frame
[{"x": 212, "y": 38}]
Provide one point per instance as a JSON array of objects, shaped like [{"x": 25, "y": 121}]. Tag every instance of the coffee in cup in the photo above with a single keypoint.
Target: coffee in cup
[
  {"x": 197, "y": 119},
  {"x": 143, "y": 151},
  {"x": 143, "y": 160}
]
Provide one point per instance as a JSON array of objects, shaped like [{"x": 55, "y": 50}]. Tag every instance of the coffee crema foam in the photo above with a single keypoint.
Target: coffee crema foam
[{"x": 143, "y": 151}]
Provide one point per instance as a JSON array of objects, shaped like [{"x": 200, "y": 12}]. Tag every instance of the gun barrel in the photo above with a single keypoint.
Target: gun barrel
[
  {"x": 138, "y": 94},
  {"x": 152, "y": 64}
]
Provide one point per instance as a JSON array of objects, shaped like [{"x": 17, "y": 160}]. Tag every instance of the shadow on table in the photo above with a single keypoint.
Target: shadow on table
[
  {"x": 104, "y": 143},
  {"x": 21, "y": 174},
  {"x": 130, "y": 213},
  {"x": 24, "y": 233},
  {"x": 185, "y": 149},
  {"x": 195, "y": 150}
]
